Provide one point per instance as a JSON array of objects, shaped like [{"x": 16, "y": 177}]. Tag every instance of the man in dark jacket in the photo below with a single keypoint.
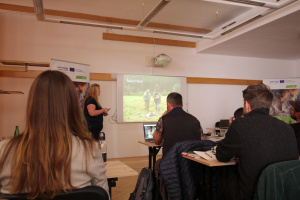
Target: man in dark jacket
[
  {"x": 258, "y": 140},
  {"x": 176, "y": 125},
  {"x": 295, "y": 114}
]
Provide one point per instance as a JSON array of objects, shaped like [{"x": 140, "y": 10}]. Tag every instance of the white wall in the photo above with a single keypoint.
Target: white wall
[
  {"x": 297, "y": 67},
  {"x": 24, "y": 38}
]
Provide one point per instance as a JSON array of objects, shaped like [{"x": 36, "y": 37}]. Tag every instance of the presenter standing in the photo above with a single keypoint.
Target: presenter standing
[{"x": 93, "y": 111}]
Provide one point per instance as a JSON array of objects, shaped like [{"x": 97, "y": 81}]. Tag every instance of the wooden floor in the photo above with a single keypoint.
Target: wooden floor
[{"x": 126, "y": 185}]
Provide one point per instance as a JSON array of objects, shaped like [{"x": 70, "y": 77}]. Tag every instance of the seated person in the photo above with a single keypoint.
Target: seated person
[
  {"x": 175, "y": 125},
  {"x": 237, "y": 114},
  {"x": 295, "y": 114},
  {"x": 55, "y": 152},
  {"x": 258, "y": 139}
]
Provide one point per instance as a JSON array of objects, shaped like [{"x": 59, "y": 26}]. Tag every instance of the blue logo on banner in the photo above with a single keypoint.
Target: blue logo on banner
[
  {"x": 281, "y": 81},
  {"x": 72, "y": 69}
]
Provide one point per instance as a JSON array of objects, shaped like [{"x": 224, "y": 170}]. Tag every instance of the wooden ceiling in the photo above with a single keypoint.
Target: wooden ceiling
[{"x": 215, "y": 26}]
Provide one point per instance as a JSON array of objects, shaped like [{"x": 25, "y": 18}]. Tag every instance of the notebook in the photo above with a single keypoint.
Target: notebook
[{"x": 149, "y": 131}]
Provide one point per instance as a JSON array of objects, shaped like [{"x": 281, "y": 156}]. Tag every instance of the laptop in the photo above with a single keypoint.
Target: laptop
[
  {"x": 149, "y": 131},
  {"x": 224, "y": 123}
]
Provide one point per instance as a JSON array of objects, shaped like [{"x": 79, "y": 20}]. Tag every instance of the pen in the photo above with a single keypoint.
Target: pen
[{"x": 208, "y": 154}]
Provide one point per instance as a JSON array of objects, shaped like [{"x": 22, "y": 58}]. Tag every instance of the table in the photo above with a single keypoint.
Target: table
[
  {"x": 153, "y": 151},
  {"x": 209, "y": 163},
  {"x": 116, "y": 169}
]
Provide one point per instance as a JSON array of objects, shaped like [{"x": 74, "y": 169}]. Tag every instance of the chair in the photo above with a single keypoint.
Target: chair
[
  {"x": 89, "y": 192},
  {"x": 279, "y": 181},
  {"x": 181, "y": 176}
]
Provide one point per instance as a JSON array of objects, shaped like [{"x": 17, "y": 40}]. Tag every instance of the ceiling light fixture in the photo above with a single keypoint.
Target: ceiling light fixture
[
  {"x": 242, "y": 24},
  {"x": 263, "y": 3},
  {"x": 249, "y": 2},
  {"x": 39, "y": 10},
  {"x": 40, "y": 15},
  {"x": 148, "y": 18},
  {"x": 91, "y": 24},
  {"x": 177, "y": 34},
  {"x": 180, "y": 34}
]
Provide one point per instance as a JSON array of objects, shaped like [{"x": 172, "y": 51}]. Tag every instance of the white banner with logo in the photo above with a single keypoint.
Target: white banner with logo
[
  {"x": 284, "y": 90},
  {"x": 78, "y": 73}
]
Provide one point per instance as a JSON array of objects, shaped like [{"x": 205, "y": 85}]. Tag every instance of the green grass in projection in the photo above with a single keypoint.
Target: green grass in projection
[
  {"x": 134, "y": 91},
  {"x": 134, "y": 109}
]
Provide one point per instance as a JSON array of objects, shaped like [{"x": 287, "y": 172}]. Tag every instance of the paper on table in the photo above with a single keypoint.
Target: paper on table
[
  {"x": 190, "y": 154},
  {"x": 208, "y": 155}
]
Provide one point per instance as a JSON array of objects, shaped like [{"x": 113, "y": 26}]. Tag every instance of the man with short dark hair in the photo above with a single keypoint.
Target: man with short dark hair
[
  {"x": 258, "y": 140},
  {"x": 176, "y": 125},
  {"x": 295, "y": 114}
]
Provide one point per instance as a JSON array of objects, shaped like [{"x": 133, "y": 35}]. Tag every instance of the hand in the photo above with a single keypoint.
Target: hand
[
  {"x": 231, "y": 120},
  {"x": 105, "y": 110},
  {"x": 105, "y": 114}
]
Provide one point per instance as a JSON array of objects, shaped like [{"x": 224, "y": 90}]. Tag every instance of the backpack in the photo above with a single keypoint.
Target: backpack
[{"x": 144, "y": 186}]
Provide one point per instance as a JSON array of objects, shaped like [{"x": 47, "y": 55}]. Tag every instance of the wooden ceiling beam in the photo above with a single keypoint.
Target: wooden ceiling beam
[
  {"x": 148, "y": 40},
  {"x": 102, "y": 19}
]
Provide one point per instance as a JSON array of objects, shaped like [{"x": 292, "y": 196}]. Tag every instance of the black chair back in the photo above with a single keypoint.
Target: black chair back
[{"x": 90, "y": 193}]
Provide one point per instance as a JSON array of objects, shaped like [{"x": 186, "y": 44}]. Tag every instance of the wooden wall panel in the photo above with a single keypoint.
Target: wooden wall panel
[
  {"x": 196, "y": 80},
  {"x": 14, "y": 74},
  {"x": 108, "y": 77}
]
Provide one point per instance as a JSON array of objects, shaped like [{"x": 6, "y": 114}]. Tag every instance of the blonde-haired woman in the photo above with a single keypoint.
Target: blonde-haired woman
[
  {"x": 93, "y": 111},
  {"x": 55, "y": 152}
]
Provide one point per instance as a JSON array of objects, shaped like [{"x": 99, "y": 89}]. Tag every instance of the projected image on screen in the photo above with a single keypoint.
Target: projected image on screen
[{"x": 144, "y": 97}]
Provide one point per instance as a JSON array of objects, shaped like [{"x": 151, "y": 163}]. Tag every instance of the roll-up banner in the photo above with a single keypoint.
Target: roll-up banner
[
  {"x": 284, "y": 90},
  {"x": 78, "y": 73}
]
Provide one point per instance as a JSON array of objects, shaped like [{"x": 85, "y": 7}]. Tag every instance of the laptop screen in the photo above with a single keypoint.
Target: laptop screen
[
  {"x": 224, "y": 123},
  {"x": 149, "y": 131}
]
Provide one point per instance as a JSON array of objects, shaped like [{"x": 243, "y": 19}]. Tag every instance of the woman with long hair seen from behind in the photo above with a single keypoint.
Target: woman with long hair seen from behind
[
  {"x": 93, "y": 110},
  {"x": 55, "y": 152}
]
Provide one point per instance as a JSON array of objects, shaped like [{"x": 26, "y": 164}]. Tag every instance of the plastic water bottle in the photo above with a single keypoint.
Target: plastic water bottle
[
  {"x": 17, "y": 131},
  {"x": 103, "y": 146}
]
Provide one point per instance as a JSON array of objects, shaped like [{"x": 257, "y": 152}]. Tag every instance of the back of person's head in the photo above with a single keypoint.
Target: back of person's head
[
  {"x": 175, "y": 99},
  {"x": 295, "y": 104},
  {"x": 258, "y": 96},
  {"x": 93, "y": 91},
  {"x": 238, "y": 113},
  {"x": 41, "y": 155}
]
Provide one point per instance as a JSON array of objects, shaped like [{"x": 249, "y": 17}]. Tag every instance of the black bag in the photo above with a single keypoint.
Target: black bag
[{"x": 144, "y": 186}]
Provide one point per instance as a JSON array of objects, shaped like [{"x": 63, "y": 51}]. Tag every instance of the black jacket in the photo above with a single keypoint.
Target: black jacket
[
  {"x": 296, "y": 128},
  {"x": 180, "y": 175},
  {"x": 179, "y": 126},
  {"x": 259, "y": 140}
]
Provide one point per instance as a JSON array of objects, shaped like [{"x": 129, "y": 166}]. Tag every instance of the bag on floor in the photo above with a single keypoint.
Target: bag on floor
[{"x": 144, "y": 186}]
